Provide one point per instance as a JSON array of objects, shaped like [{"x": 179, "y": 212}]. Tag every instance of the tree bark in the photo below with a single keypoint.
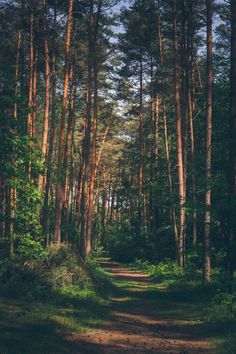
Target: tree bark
[
  {"x": 170, "y": 181},
  {"x": 181, "y": 231},
  {"x": 42, "y": 179},
  {"x": 31, "y": 74},
  {"x": 141, "y": 145},
  {"x": 207, "y": 216},
  {"x": 84, "y": 209},
  {"x": 232, "y": 150},
  {"x": 94, "y": 140},
  {"x": 17, "y": 75},
  {"x": 60, "y": 173},
  {"x": 191, "y": 111}
]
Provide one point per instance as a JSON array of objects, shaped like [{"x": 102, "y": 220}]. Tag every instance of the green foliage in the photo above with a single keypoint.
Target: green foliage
[
  {"x": 214, "y": 304},
  {"x": 56, "y": 275},
  {"x": 29, "y": 248},
  {"x": 124, "y": 242},
  {"x": 166, "y": 272},
  {"x": 223, "y": 306}
]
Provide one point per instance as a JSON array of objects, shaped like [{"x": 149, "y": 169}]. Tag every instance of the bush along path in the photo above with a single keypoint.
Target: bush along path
[
  {"x": 44, "y": 301},
  {"x": 146, "y": 318}
]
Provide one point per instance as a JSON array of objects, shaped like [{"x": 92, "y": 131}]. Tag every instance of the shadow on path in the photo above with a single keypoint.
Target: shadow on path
[{"x": 143, "y": 321}]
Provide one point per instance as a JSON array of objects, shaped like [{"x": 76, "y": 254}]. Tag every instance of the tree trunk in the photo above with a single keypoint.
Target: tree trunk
[
  {"x": 141, "y": 145},
  {"x": 34, "y": 94},
  {"x": 191, "y": 110},
  {"x": 60, "y": 174},
  {"x": 68, "y": 146},
  {"x": 84, "y": 246},
  {"x": 181, "y": 231},
  {"x": 170, "y": 182},
  {"x": 184, "y": 95},
  {"x": 31, "y": 74},
  {"x": 17, "y": 75},
  {"x": 94, "y": 142},
  {"x": 232, "y": 150},
  {"x": 50, "y": 148},
  {"x": 47, "y": 97},
  {"x": 207, "y": 218}
]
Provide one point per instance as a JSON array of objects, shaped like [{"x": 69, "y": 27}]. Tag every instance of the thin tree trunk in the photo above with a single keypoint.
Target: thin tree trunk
[
  {"x": 191, "y": 109},
  {"x": 47, "y": 97},
  {"x": 94, "y": 141},
  {"x": 12, "y": 191},
  {"x": 34, "y": 98},
  {"x": 181, "y": 231},
  {"x": 207, "y": 217},
  {"x": 232, "y": 150},
  {"x": 170, "y": 182},
  {"x": 184, "y": 95},
  {"x": 17, "y": 75},
  {"x": 9, "y": 221},
  {"x": 68, "y": 148},
  {"x": 141, "y": 144},
  {"x": 84, "y": 247},
  {"x": 152, "y": 201},
  {"x": 31, "y": 74},
  {"x": 60, "y": 174},
  {"x": 50, "y": 148}
]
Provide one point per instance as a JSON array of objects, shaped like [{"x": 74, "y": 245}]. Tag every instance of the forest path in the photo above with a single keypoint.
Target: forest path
[{"x": 144, "y": 319}]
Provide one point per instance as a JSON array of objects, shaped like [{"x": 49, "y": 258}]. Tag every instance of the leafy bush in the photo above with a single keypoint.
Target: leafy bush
[
  {"x": 165, "y": 272},
  {"x": 58, "y": 273},
  {"x": 223, "y": 306}
]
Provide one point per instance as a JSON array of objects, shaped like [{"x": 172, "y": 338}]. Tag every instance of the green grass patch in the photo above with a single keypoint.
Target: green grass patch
[
  {"x": 46, "y": 302},
  {"x": 181, "y": 295}
]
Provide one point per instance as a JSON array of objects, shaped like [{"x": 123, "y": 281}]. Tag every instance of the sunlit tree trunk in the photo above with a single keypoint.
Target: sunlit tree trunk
[
  {"x": 170, "y": 181},
  {"x": 84, "y": 208},
  {"x": 181, "y": 230},
  {"x": 50, "y": 143},
  {"x": 47, "y": 97},
  {"x": 60, "y": 174},
  {"x": 94, "y": 138},
  {"x": 68, "y": 145},
  {"x": 191, "y": 110}
]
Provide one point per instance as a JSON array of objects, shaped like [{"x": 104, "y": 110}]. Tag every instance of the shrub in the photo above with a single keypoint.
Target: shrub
[{"x": 58, "y": 273}]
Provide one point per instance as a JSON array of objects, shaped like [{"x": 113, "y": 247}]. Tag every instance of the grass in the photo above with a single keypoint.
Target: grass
[
  {"x": 182, "y": 295},
  {"x": 43, "y": 308}
]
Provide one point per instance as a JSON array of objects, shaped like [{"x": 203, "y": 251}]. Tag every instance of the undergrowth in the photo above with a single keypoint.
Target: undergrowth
[{"x": 49, "y": 297}]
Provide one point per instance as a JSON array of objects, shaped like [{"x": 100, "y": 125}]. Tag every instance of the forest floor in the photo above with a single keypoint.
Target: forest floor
[
  {"x": 145, "y": 318},
  {"x": 140, "y": 317}
]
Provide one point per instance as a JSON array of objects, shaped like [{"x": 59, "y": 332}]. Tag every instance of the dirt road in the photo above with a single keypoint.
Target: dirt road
[{"x": 143, "y": 320}]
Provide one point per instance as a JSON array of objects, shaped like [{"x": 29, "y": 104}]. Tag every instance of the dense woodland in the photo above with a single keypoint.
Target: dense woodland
[
  {"x": 118, "y": 131},
  {"x": 118, "y": 128}
]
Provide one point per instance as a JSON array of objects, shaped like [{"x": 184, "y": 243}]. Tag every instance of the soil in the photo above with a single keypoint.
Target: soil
[{"x": 144, "y": 319}]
